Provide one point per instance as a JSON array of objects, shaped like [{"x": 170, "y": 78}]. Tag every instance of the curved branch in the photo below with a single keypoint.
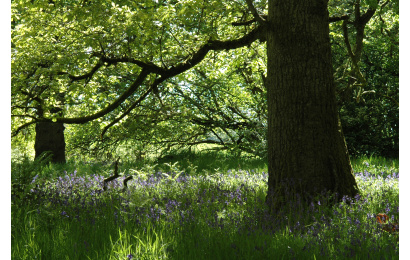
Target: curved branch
[
  {"x": 87, "y": 75},
  {"x": 243, "y": 23},
  {"x": 15, "y": 133},
  {"x": 110, "y": 61},
  {"x": 215, "y": 45},
  {"x": 81, "y": 120},
  {"x": 195, "y": 59},
  {"x": 346, "y": 40},
  {"x": 338, "y": 18},
  {"x": 127, "y": 112},
  {"x": 353, "y": 56},
  {"x": 151, "y": 67},
  {"x": 168, "y": 73},
  {"x": 165, "y": 73},
  {"x": 24, "y": 116},
  {"x": 254, "y": 12}
]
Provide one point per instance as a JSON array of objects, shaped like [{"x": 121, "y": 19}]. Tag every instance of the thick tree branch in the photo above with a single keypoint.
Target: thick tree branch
[
  {"x": 195, "y": 59},
  {"x": 84, "y": 76},
  {"x": 127, "y": 111},
  {"x": 165, "y": 73},
  {"x": 168, "y": 73},
  {"x": 338, "y": 18},
  {"x": 110, "y": 61},
  {"x": 353, "y": 56},
  {"x": 265, "y": 17},
  {"x": 360, "y": 22},
  {"x": 346, "y": 40},
  {"x": 243, "y": 23},
  {"x": 81, "y": 120},
  {"x": 365, "y": 18},
  {"x": 215, "y": 45},
  {"x": 151, "y": 67}
]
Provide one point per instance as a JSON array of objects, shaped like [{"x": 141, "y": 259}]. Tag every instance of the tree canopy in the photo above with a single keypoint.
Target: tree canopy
[{"x": 153, "y": 72}]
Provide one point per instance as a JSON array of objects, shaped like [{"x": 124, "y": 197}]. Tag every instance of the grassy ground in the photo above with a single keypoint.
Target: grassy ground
[{"x": 208, "y": 206}]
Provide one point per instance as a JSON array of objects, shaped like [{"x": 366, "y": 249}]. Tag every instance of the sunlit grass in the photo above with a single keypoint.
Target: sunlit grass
[{"x": 218, "y": 215}]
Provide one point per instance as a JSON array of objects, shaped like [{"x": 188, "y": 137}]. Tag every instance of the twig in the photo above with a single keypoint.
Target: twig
[{"x": 254, "y": 12}]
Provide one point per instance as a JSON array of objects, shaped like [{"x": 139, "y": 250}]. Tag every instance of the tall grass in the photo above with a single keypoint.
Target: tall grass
[{"x": 167, "y": 213}]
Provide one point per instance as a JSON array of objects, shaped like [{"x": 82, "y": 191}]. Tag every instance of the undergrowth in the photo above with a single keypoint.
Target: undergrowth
[{"x": 62, "y": 212}]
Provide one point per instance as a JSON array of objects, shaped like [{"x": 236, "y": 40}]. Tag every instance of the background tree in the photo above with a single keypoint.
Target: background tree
[
  {"x": 368, "y": 104},
  {"x": 96, "y": 54}
]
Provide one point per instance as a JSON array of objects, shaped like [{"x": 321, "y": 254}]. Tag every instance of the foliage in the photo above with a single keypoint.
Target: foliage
[
  {"x": 369, "y": 110},
  {"x": 23, "y": 176},
  {"x": 220, "y": 215},
  {"x": 91, "y": 59},
  {"x": 373, "y": 126},
  {"x": 87, "y": 55},
  {"x": 83, "y": 61}
]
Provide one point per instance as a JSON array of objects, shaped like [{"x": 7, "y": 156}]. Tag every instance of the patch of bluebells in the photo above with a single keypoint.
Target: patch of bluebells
[{"x": 225, "y": 202}]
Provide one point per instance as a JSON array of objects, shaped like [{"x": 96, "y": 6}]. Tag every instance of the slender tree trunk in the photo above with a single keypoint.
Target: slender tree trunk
[
  {"x": 305, "y": 139},
  {"x": 50, "y": 138}
]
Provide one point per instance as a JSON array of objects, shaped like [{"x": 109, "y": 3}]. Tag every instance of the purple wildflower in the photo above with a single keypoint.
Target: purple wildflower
[
  {"x": 387, "y": 208},
  {"x": 34, "y": 179}
]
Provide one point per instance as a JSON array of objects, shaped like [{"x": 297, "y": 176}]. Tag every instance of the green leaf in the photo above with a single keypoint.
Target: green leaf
[{"x": 372, "y": 3}]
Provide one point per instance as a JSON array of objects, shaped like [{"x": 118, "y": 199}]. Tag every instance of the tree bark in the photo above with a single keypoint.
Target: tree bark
[
  {"x": 305, "y": 141},
  {"x": 50, "y": 138}
]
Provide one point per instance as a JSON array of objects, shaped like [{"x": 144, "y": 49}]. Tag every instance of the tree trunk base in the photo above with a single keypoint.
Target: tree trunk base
[{"x": 50, "y": 138}]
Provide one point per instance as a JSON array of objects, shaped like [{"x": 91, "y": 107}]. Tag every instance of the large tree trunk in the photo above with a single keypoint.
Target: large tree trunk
[
  {"x": 305, "y": 139},
  {"x": 50, "y": 138}
]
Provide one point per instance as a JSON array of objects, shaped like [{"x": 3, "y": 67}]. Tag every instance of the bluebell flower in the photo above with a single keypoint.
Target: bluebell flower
[
  {"x": 34, "y": 179},
  {"x": 387, "y": 208}
]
